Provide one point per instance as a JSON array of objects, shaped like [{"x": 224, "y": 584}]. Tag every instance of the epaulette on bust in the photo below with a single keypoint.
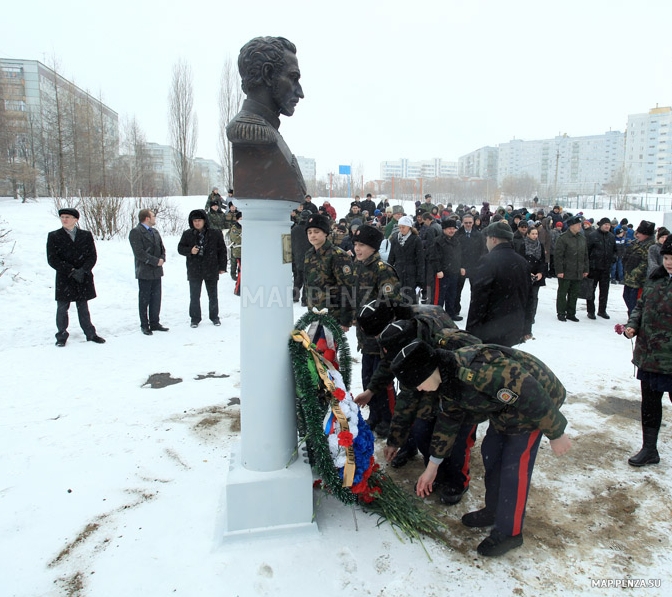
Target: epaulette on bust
[{"x": 251, "y": 128}]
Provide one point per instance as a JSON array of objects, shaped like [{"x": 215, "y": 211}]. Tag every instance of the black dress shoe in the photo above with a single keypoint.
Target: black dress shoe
[
  {"x": 498, "y": 544},
  {"x": 216, "y": 322},
  {"x": 158, "y": 328},
  {"x": 562, "y": 317},
  {"x": 97, "y": 339},
  {"x": 452, "y": 495},
  {"x": 572, "y": 318},
  {"x": 457, "y": 318},
  {"x": 603, "y": 315},
  {"x": 60, "y": 343},
  {"x": 146, "y": 331},
  {"x": 591, "y": 316},
  {"x": 479, "y": 518}
]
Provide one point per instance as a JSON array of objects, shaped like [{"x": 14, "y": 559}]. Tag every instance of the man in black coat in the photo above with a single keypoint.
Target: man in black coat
[
  {"x": 150, "y": 255},
  {"x": 300, "y": 246},
  {"x": 500, "y": 290},
  {"x": 472, "y": 245},
  {"x": 601, "y": 254},
  {"x": 205, "y": 251},
  {"x": 72, "y": 253}
]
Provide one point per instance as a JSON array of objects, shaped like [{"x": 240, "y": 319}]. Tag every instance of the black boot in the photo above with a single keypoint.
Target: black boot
[{"x": 649, "y": 453}]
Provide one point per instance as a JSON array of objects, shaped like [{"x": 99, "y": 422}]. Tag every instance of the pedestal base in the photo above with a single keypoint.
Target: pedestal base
[{"x": 269, "y": 503}]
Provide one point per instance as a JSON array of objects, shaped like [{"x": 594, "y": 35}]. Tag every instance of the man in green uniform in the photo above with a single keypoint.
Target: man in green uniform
[
  {"x": 328, "y": 275},
  {"x": 520, "y": 396}
]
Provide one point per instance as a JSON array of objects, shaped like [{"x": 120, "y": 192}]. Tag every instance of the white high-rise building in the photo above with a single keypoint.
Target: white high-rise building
[
  {"x": 648, "y": 155},
  {"x": 404, "y": 168},
  {"x": 481, "y": 163}
]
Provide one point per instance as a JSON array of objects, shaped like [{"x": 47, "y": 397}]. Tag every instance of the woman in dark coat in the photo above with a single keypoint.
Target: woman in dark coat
[
  {"x": 408, "y": 259},
  {"x": 535, "y": 255},
  {"x": 651, "y": 322}
]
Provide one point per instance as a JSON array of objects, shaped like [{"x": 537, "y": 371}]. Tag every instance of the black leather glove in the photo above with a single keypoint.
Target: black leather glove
[{"x": 79, "y": 275}]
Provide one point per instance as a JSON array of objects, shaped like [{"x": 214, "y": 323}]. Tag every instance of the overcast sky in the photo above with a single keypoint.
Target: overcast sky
[{"x": 382, "y": 79}]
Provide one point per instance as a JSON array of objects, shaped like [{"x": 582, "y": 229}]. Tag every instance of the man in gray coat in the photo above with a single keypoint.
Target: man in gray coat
[
  {"x": 150, "y": 255},
  {"x": 571, "y": 267}
]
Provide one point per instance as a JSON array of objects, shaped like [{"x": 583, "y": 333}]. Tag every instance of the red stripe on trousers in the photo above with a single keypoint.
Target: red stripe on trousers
[
  {"x": 236, "y": 289},
  {"x": 467, "y": 457},
  {"x": 436, "y": 291},
  {"x": 391, "y": 398},
  {"x": 523, "y": 483}
]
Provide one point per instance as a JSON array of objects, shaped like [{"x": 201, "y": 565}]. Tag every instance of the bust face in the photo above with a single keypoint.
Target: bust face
[{"x": 287, "y": 91}]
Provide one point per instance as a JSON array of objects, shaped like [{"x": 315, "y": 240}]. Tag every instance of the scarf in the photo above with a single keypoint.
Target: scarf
[
  {"x": 533, "y": 247},
  {"x": 403, "y": 238}
]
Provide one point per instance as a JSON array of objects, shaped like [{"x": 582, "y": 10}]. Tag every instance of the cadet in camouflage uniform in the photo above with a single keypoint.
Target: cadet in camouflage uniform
[
  {"x": 376, "y": 281},
  {"x": 416, "y": 412},
  {"x": 519, "y": 395},
  {"x": 636, "y": 262},
  {"x": 236, "y": 240},
  {"x": 328, "y": 275}
]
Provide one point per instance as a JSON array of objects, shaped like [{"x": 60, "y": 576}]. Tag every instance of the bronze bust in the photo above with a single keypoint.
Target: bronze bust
[{"x": 263, "y": 165}]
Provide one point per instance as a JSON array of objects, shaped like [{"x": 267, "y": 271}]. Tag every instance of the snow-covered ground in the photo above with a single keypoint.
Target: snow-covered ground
[{"x": 112, "y": 488}]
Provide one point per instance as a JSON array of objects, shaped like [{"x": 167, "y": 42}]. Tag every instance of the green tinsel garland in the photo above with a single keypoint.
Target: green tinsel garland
[{"x": 392, "y": 504}]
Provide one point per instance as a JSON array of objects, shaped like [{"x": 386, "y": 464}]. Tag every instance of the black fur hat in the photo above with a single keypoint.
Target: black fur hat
[
  {"x": 415, "y": 363},
  {"x": 374, "y": 316},
  {"x": 396, "y": 335},
  {"x": 369, "y": 235},
  {"x": 318, "y": 221}
]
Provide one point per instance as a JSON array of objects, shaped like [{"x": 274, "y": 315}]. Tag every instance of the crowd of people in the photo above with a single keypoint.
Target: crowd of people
[{"x": 399, "y": 278}]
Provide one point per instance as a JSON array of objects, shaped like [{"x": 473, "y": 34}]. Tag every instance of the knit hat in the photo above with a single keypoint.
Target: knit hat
[
  {"x": 368, "y": 235},
  {"x": 666, "y": 249},
  {"x": 558, "y": 224},
  {"x": 355, "y": 223},
  {"x": 69, "y": 211},
  {"x": 646, "y": 228},
  {"x": 499, "y": 229},
  {"x": 604, "y": 221},
  {"x": 405, "y": 221},
  {"x": 523, "y": 224},
  {"x": 398, "y": 209},
  {"x": 415, "y": 363},
  {"x": 374, "y": 316},
  {"x": 448, "y": 223},
  {"x": 318, "y": 221},
  {"x": 428, "y": 196},
  {"x": 574, "y": 220},
  {"x": 377, "y": 212},
  {"x": 396, "y": 335},
  {"x": 662, "y": 231},
  {"x": 305, "y": 215}
]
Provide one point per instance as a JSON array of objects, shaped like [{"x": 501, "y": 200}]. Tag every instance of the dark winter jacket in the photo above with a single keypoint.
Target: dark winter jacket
[
  {"x": 601, "y": 250},
  {"x": 211, "y": 258},
  {"x": 537, "y": 265},
  {"x": 147, "y": 249},
  {"x": 300, "y": 245},
  {"x": 571, "y": 256},
  {"x": 500, "y": 288},
  {"x": 447, "y": 255},
  {"x": 473, "y": 248},
  {"x": 66, "y": 256},
  {"x": 408, "y": 261},
  {"x": 652, "y": 319}
]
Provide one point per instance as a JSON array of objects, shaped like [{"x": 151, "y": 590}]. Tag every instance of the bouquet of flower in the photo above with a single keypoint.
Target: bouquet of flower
[{"x": 340, "y": 443}]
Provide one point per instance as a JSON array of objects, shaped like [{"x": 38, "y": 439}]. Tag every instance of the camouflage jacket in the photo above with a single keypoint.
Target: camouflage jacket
[
  {"x": 652, "y": 319},
  {"x": 513, "y": 389},
  {"x": 374, "y": 280},
  {"x": 411, "y": 404},
  {"x": 217, "y": 219},
  {"x": 636, "y": 262},
  {"x": 236, "y": 240},
  {"x": 229, "y": 219},
  {"x": 337, "y": 237},
  {"x": 329, "y": 282}
]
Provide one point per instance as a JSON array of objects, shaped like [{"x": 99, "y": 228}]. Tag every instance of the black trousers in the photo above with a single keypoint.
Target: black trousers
[
  {"x": 299, "y": 290},
  {"x": 602, "y": 279},
  {"x": 508, "y": 461},
  {"x": 195, "y": 300},
  {"x": 652, "y": 406},
  {"x": 149, "y": 302},
  {"x": 62, "y": 319}
]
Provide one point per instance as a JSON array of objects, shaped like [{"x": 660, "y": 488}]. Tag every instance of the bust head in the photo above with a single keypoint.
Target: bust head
[{"x": 270, "y": 73}]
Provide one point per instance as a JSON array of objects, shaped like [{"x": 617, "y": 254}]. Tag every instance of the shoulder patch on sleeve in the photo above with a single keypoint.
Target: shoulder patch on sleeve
[
  {"x": 347, "y": 270},
  {"x": 507, "y": 396},
  {"x": 381, "y": 265}
]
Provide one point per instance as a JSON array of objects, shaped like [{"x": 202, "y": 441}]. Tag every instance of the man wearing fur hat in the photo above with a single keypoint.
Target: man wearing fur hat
[
  {"x": 601, "y": 254},
  {"x": 571, "y": 266},
  {"x": 328, "y": 273},
  {"x": 635, "y": 263},
  {"x": 72, "y": 253},
  {"x": 206, "y": 259},
  {"x": 500, "y": 290}
]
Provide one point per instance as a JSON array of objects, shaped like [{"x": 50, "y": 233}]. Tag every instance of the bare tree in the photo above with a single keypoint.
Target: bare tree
[
  {"x": 183, "y": 122},
  {"x": 230, "y": 100}
]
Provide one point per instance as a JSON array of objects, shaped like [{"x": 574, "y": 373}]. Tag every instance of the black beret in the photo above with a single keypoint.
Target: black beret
[
  {"x": 500, "y": 229},
  {"x": 415, "y": 363},
  {"x": 368, "y": 235},
  {"x": 374, "y": 316},
  {"x": 396, "y": 335},
  {"x": 69, "y": 211},
  {"x": 318, "y": 221}
]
